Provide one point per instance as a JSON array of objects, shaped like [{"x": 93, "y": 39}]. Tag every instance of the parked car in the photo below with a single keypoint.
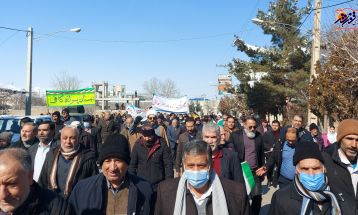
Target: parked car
[{"x": 11, "y": 123}]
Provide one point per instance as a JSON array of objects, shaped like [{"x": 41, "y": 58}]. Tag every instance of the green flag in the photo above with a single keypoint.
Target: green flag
[{"x": 249, "y": 178}]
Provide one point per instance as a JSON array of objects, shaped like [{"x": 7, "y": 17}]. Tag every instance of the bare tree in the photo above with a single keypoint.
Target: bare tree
[
  {"x": 65, "y": 81},
  {"x": 166, "y": 88}
]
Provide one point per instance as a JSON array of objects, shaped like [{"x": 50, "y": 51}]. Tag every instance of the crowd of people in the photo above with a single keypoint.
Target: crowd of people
[{"x": 177, "y": 164}]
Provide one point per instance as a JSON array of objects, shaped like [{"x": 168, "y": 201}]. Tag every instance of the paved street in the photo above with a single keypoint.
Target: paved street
[{"x": 266, "y": 197}]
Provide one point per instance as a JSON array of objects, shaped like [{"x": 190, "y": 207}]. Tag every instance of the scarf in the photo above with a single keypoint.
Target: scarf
[
  {"x": 332, "y": 137},
  {"x": 76, "y": 158},
  {"x": 309, "y": 197},
  {"x": 218, "y": 196}
]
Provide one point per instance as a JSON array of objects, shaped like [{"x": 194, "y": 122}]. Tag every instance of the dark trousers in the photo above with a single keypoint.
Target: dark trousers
[
  {"x": 283, "y": 181},
  {"x": 256, "y": 195}
]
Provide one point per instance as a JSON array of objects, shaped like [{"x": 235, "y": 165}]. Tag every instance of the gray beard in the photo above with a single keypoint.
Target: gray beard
[{"x": 250, "y": 134}]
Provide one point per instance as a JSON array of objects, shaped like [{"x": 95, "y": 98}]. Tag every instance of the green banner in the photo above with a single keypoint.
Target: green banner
[{"x": 66, "y": 98}]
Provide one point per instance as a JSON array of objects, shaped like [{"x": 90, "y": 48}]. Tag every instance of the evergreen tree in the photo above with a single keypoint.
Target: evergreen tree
[{"x": 279, "y": 73}]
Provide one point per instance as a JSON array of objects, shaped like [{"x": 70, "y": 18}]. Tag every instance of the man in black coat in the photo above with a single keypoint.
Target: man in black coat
[
  {"x": 282, "y": 157},
  {"x": 249, "y": 145},
  {"x": 309, "y": 192},
  {"x": 68, "y": 164},
  {"x": 56, "y": 119},
  {"x": 28, "y": 137},
  {"x": 341, "y": 163},
  {"x": 200, "y": 190},
  {"x": 114, "y": 191},
  {"x": 225, "y": 162},
  {"x": 297, "y": 124},
  {"x": 19, "y": 194},
  {"x": 151, "y": 158}
]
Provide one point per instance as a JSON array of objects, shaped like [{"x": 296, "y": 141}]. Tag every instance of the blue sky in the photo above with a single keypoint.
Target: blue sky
[{"x": 128, "y": 42}]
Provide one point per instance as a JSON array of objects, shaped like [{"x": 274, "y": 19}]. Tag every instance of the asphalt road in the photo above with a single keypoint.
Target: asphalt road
[{"x": 266, "y": 197}]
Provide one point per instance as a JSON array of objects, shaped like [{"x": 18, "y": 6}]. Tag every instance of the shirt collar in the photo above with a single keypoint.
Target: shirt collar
[
  {"x": 116, "y": 190},
  {"x": 344, "y": 158},
  {"x": 41, "y": 145}
]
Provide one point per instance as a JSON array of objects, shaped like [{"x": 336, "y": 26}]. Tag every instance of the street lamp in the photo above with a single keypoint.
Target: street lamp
[{"x": 30, "y": 39}]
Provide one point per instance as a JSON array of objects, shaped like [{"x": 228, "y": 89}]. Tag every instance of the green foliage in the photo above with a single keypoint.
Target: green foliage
[{"x": 279, "y": 71}]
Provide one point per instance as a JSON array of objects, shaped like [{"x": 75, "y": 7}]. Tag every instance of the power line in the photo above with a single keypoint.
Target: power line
[{"x": 156, "y": 41}]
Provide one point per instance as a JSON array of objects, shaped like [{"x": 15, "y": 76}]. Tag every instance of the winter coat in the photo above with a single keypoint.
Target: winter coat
[
  {"x": 153, "y": 164},
  {"x": 183, "y": 139},
  {"x": 340, "y": 180},
  {"x": 288, "y": 201},
  {"x": 20, "y": 144},
  {"x": 132, "y": 138},
  {"x": 42, "y": 201},
  {"x": 86, "y": 168},
  {"x": 89, "y": 197},
  {"x": 235, "y": 194},
  {"x": 33, "y": 150},
  {"x": 237, "y": 139},
  {"x": 173, "y": 136},
  {"x": 230, "y": 166},
  {"x": 106, "y": 129}
]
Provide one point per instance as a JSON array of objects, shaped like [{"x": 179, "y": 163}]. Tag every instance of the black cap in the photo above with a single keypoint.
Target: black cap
[
  {"x": 306, "y": 149},
  {"x": 313, "y": 126},
  {"x": 117, "y": 146}
]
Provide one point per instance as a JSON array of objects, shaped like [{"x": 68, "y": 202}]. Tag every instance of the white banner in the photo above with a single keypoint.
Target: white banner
[
  {"x": 135, "y": 111},
  {"x": 180, "y": 105}
]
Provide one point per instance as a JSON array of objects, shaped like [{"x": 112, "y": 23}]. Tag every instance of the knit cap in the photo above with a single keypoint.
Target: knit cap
[{"x": 347, "y": 127}]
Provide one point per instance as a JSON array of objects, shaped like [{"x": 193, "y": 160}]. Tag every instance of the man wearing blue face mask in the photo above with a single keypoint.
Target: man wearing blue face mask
[
  {"x": 309, "y": 192},
  {"x": 199, "y": 190}
]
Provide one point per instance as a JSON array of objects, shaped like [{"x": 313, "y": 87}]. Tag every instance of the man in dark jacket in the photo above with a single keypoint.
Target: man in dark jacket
[
  {"x": 190, "y": 134},
  {"x": 225, "y": 162},
  {"x": 56, "y": 119},
  {"x": 309, "y": 193},
  {"x": 151, "y": 158},
  {"x": 270, "y": 138},
  {"x": 249, "y": 145},
  {"x": 19, "y": 194},
  {"x": 85, "y": 138},
  {"x": 297, "y": 124},
  {"x": 316, "y": 136},
  {"x": 200, "y": 190},
  {"x": 282, "y": 157},
  {"x": 68, "y": 164},
  {"x": 107, "y": 126},
  {"x": 174, "y": 131},
  {"x": 28, "y": 137},
  {"x": 341, "y": 163},
  {"x": 114, "y": 191}
]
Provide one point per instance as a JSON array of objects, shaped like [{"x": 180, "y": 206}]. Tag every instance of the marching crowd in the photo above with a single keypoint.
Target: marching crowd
[{"x": 177, "y": 164}]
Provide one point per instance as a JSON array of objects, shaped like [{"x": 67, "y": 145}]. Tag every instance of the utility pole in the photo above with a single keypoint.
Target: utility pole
[
  {"x": 29, "y": 72},
  {"x": 316, "y": 49}
]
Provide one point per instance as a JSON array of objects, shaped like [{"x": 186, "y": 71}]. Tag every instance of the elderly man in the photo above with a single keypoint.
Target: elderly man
[
  {"x": 68, "y": 164},
  {"x": 39, "y": 151},
  {"x": 174, "y": 130},
  {"x": 151, "y": 158},
  {"x": 341, "y": 163},
  {"x": 159, "y": 129},
  {"x": 190, "y": 134},
  {"x": 19, "y": 194},
  {"x": 27, "y": 136},
  {"x": 132, "y": 137},
  {"x": 5, "y": 139},
  {"x": 225, "y": 162},
  {"x": 248, "y": 144},
  {"x": 200, "y": 190},
  {"x": 115, "y": 190},
  {"x": 309, "y": 193},
  {"x": 296, "y": 123}
]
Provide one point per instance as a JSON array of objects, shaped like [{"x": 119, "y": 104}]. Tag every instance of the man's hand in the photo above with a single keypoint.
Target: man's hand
[{"x": 261, "y": 171}]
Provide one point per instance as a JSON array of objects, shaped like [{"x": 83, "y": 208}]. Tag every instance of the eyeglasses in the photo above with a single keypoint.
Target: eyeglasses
[
  {"x": 252, "y": 127},
  {"x": 151, "y": 118}
]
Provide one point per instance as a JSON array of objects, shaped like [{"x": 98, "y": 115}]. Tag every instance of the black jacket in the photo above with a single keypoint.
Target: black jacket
[
  {"x": 158, "y": 167},
  {"x": 237, "y": 139},
  {"x": 235, "y": 194},
  {"x": 89, "y": 197},
  {"x": 230, "y": 166},
  {"x": 183, "y": 139},
  {"x": 33, "y": 149},
  {"x": 43, "y": 202},
  {"x": 340, "y": 180},
  {"x": 20, "y": 144},
  {"x": 86, "y": 168},
  {"x": 287, "y": 201},
  {"x": 269, "y": 140}
]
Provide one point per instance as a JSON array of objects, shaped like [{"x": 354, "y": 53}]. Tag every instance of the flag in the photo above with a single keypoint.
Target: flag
[{"x": 249, "y": 178}]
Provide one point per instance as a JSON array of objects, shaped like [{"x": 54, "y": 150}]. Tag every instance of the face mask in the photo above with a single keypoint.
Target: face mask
[
  {"x": 312, "y": 182},
  {"x": 197, "y": 179}
]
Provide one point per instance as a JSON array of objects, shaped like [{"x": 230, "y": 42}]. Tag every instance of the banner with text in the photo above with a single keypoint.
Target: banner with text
[
  {"x": 66, "y": 98},
  {"x": 180, "y": 105},
  {"x": 135, "y": 111}
]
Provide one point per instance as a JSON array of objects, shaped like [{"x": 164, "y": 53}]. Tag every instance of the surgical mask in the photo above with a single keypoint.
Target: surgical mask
[
  {"x": 197, "y": 179},
  {"x": 312, "y": 182}
]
